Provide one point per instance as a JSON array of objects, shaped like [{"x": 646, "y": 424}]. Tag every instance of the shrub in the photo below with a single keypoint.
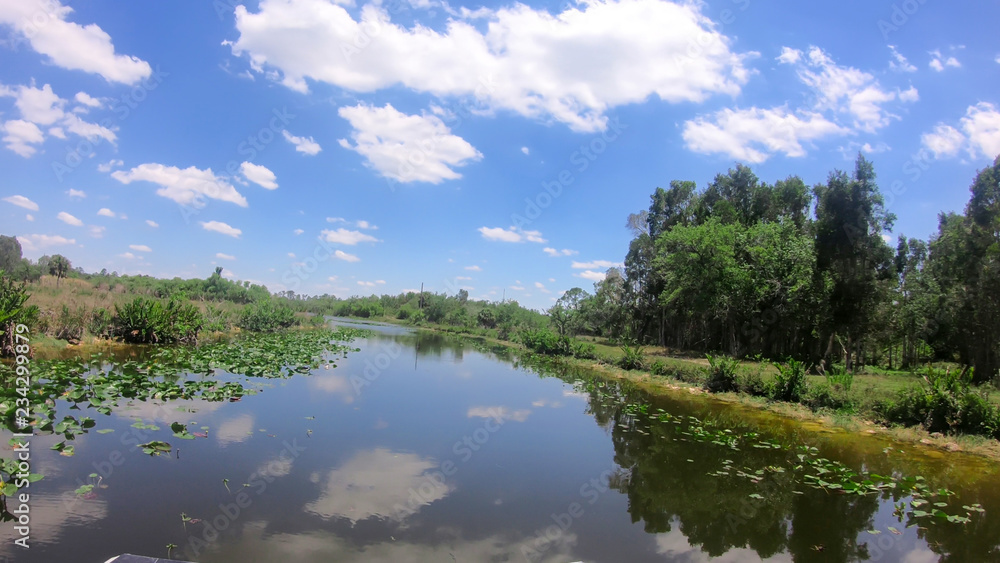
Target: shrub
[
  {"x": 148, "y": 321},
  {"x": 69, "y": 324},
  {"x": 13, "y": 312},
  {"x": 544, "y": 341},
  {"x": 839, "y": 376},
  {"x": 790, "y": 383},
  {"x": 752, "y": 383},
  {"x": 266, "y": 316},
  {"x": 217, "y": 320},
  {"x": 584, "y": 350},
  {"x": 487, "y": 318},
  {"x": 721, "y": 374},
  {"x": 658, "y": 368},
  {"x": 946, "y": 402},
  {"x": 632, "y": 357},
  {"x": 100, "y": 322},
  {"x": 404, "y": 312}
]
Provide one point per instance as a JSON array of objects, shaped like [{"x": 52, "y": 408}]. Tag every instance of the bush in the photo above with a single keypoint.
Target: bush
[
  {"x": 266, "y": 316},
  {"x": 752, "y": 383},
  {"x": 658, "y": 368},
  {"x": 946, "y": 402},
  {"x": 544, "y": 341},
  {"x": 790, "y": 383},
  {"x": 828, "y": 396},
  {"x": 100, "y": 322},
  {"x": 70, "y": 324},
  {"x": 839, "y": 376},
  {"x": 147, "y": 321},
  {"x": 632, "y": 357},
  {"x": 404, "y": 312},
  {"x": 13, "y": 312},
  {"x": 217, "y": 320},
  {"x": 487, "y": 318},
  {"x": 584, "y": 350},
  {"x": 721, "y": 374}
]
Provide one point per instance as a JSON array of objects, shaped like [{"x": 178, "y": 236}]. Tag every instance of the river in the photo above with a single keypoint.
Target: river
[{"x": 424, "y": 447}]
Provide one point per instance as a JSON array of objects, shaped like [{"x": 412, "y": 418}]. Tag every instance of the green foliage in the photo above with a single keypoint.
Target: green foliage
[
  {"x": 486, "y": 318},
  {"x": 839, "y": 377},
  {"x": 10, "y": 254},
  {"x": 13, "y": 312},
  {"x": 633, "y": 358},
  {"x": 790, "y": 383},
  {"x": 544, "y": 341},
  {"x": 722, "y": 374},
  {"x": 584, "y": 350},
  {"x": 267, "y": 315},
  {"x": 100, "y": 322},
  {"x": 945, "y": 402},
  {"x": 149, "y": 321},
  {"x": 217, "y": 319},
  {"x": 69, "y": 325}
]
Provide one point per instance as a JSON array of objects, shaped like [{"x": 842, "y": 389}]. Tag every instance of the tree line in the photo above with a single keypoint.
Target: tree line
[{"x": 783, "y": 270}]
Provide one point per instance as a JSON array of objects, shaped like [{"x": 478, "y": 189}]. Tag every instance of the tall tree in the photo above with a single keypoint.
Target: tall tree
[
  {"x": 10, "y": 254},
  {"x": 59, "y": 265}
]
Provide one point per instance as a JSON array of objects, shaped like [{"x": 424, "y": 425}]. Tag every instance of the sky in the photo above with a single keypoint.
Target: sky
[{"x": 350, "y": 147}]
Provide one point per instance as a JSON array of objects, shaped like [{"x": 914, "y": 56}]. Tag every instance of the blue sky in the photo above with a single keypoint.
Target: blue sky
[{"x": 354, "y": 148}]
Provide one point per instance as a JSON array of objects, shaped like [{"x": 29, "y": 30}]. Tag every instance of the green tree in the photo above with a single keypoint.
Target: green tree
[
  {"x": 59, "y": 265},
  {"x": 10, "y": 254}
]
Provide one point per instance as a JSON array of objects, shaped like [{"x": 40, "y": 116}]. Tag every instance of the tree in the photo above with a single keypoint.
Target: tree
[
  {"x": 463, "y": 296},
  {"x": 10, "y": 254},
  {"x": 58, "y": 266}
]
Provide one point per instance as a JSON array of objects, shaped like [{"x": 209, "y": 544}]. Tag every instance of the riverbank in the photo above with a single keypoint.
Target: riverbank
[{"x": 870, "y": 388}]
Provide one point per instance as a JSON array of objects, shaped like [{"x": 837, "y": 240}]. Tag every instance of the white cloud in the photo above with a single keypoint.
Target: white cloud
[
  {"x": 298, "y": 232},
  {"x": 20, "y": 135},
  {"x": 541, "y": 287},
  {"x": 982, "y": 125},
  {"x": 943, "y": 141},
  {"x": 152, "y": 223},
  {"x": 474, "y": 268},
  {"x": 189, "y": 186},
  {"x": 939, "y": 61},
  {"x": 846, "y": 90},
  {"x": 371, "y": 284},
  {"x": 87, "y": 100},
  {"x": 140, "y": 248},
  {"x": 789, "y": 55},
  {"x": 105, "y": 212},
  {"x": 555, "y": 252},
  {"x": 517, "y": 287},
  {"x": 259, "y": 175},
  {"x": 596, "y": 264},
  {"x": 69, "y": 219},
  {"x": 41, "y": 106},
  {"x": 908, "y": 95},
  {"x": 755, "y": 134},
  {"x": 221, "y": 227},
  {"x": 37, "y": 242},
  {"x": 512, "y": 234},
  {"x": 97, "y": 231},
  {"x": 406, "y": 148},
  {"x": 591, "y": 275},
  {"x": 899, "y": 62},
  {"x": 336, "y": 220},
  {"x": 21, "y": 201},
  {"x": 366, "y": 225},
  {"x": 344, "y": 236},
  {"x": 571, "y": 67},
  {"x": 526, "y": 150},
  {"x": 111, "y": 164},
  {"x": 979, "y": 135},
  {"x": 127, "y": 255},
  {"x": 70, "y": 45},
  {"x": 29, "y": 217},
  {"x": 291, "y": 255},
  {"x": 76, "y": 193},
  {"x": 222, "y": 256},
  {"x": 463, "y": 278},
  {"x": 303, "y": 144},
  {"x": 341, "y": 255}
]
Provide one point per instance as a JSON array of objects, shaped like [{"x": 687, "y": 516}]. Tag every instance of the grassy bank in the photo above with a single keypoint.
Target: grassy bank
[{"x": 866, "y": 402}]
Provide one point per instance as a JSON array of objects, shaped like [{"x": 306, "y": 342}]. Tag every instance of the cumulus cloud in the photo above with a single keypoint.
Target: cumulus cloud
[
  {"x": 571, "y": 67},
  {"x": 36, "y": 242},
  {"x": 85, "y": 99},
  {"x": 596, "y": 264},
  {"x": 298, "y": 232},
  {"x": 222, "y": 256},
  {"x": 939, "y": 62},
  {"x": 69, "y": 219},
  {"x": 76, "y": 193},
  {"x": 591, "y": 275},
  {"x": 110, "y": 165},
  {"x": 140, "y": 248},
  {"x": 555, "y": 252},
  {"x": 190, "y": 186},
  {"x": 220, "y": 227},
  {"x": 43, "y": 24},
  {"x": 152, "y": 223},
  {"x": 979, "y": 134},
  {"x": 21, "y": 201},
  {"x": 756, "y": 134},
  {"x": 344, "y": 236},
  {"x": 42, "y": 107},
  {"x": 105, "y": 212},
  {"x": 303, "y": 144},
  {"x": 259, "y": 175},
  {"x": 474, "y": 268},
  {"x": 406, "y": 148},
  {"x": 341, "y": 255},
  {"x": 899, "y": 62},
  {"x": 511, "y": 234}
]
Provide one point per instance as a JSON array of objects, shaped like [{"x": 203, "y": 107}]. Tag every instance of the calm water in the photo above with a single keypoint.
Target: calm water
[{"x": 425, "y": 448}]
